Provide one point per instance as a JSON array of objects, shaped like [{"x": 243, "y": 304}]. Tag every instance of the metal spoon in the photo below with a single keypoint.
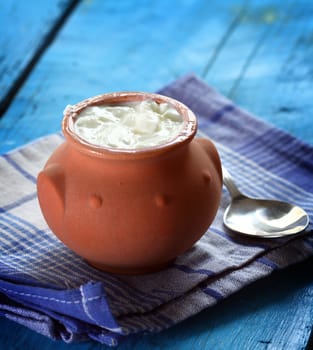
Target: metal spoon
[{"x": 261, "y": 217}]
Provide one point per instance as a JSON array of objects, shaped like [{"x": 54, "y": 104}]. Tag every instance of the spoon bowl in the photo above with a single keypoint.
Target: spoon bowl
[{"x": 261, "y": 217}]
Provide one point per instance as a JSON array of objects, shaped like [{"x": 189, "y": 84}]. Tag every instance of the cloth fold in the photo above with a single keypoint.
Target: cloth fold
[{"x": 46, "y": 287}]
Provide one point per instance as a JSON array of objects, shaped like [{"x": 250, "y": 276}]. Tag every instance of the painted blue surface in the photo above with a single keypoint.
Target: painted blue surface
[
  {"x": 26, "y": 28},
  {"x": 259, "y": 53}
]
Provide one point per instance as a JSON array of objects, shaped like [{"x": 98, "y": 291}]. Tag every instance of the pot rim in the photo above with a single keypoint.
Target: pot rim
[{"x": 185, "y": 135}]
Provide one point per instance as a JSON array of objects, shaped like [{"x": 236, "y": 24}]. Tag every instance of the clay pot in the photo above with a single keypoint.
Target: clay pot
[{"x": 130, "y": 211}]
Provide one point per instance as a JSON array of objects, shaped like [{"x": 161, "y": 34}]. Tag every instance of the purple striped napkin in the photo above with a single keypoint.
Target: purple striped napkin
[{"x": 49, "y": 289}]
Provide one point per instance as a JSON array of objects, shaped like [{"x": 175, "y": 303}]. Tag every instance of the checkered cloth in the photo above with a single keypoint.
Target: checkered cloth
[{"x": 48, "y": 288}]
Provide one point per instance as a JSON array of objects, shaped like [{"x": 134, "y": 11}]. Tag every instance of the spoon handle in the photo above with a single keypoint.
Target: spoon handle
[{"x": 230, "y": 184}]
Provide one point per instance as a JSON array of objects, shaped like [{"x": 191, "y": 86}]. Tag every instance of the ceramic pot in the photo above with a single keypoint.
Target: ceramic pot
[{"x": 130, "y": 211}]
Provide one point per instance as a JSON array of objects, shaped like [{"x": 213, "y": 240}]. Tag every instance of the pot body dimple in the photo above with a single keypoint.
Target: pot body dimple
[{"x": 131, "y": 214}]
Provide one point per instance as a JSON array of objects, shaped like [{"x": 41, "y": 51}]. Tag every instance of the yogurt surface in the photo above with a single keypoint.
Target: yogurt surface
[{"x": 129, "y": 126}]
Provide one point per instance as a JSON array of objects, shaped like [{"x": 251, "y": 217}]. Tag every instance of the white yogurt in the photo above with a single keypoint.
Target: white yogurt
[{"x": 129, "y": 126}]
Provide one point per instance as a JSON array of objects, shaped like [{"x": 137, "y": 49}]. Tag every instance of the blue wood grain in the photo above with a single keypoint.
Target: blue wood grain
[
  {"x": 26, "y": 28},
  {"x": 266, "y": 59},
  {"x": 259, "y": 53}
]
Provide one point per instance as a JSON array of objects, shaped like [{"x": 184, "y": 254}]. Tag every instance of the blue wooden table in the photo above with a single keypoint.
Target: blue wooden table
[{"x": 258, "y": 53}]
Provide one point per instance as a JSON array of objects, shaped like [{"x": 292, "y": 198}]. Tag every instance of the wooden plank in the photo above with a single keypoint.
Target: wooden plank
[
  {"x": 271, "y": 59},
  {"x": 263, "y": 59},
  {"x": 252, "y": 51},
  {"x": 27, "y": 28}
]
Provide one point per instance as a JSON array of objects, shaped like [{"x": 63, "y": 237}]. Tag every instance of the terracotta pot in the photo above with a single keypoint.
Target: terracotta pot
[{"x": 130, "y": 211}]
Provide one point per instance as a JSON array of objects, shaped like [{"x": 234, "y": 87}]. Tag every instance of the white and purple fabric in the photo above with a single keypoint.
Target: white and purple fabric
[{"x": 49, "y": 289}]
